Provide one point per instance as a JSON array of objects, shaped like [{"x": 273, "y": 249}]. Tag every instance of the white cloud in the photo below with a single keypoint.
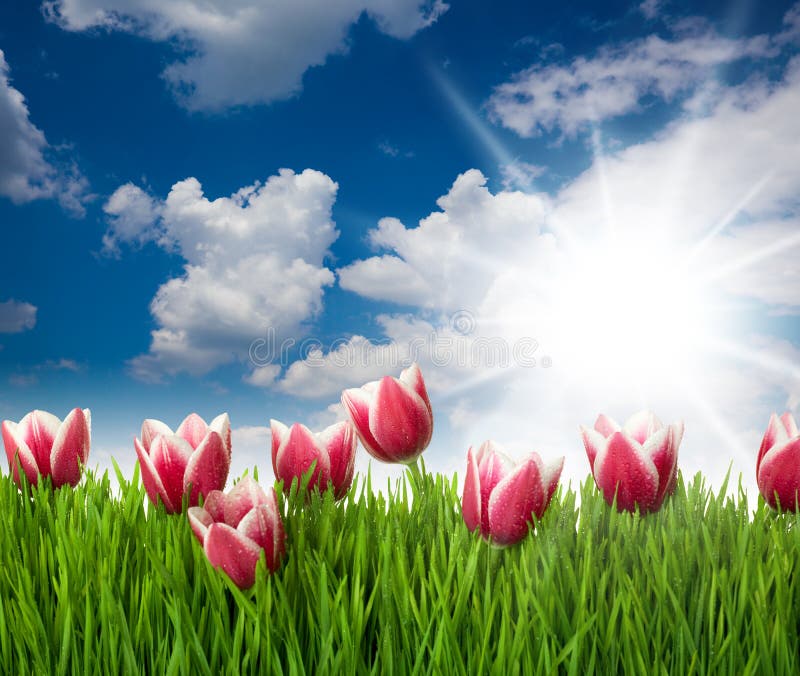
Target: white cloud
[
  {"x": 247, "y": 52},
  {"x": 16, "y": 316},
  {"x": 419, "y": 270},
  {"x": 29, "y": 166},
  {"x": 614, "y": 82},
  {"x": 519, "y": 175},
  {"x": 133, "y": 217},
  {"x": 254, "y": 262},
  {"x": 651, "y": 8}
]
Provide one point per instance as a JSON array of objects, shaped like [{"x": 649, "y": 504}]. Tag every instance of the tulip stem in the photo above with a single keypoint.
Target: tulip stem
[{"x": 416, "y": 477}]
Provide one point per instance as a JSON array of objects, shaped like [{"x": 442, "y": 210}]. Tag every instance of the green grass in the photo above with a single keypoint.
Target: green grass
[{"x": 90, "y": 583}]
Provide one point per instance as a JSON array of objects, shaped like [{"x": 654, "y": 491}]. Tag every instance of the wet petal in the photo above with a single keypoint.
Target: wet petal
[
  {"x": 236, "y": 554},
  {"x": 151, "y": 429},
  {"x": 297, "y": 452},
  {"x": 400, "y": 421},
  {"x": 70, "y": 446},
  {"x": 18, "y": 453},
  {"x": 245, "y": 495},
  {"x": 193, "y": 429},
  {"x": 513, "y": 501},
  {"x": 780, "y": 474},
  {"x": 605, "y": 425},
  {"x": 170, "y": 456},
  {"x": 356, "y": 402},
  {"x": 471, "y": 499},
  {"x": 661, "y": 449},
  {"x": 340, "y": 441},
  {"x": 39, "y": 429},
  {"x": 151, "y": 480},
  {"x": 623, "y": 468},
  {"x": 642, "y": 425},
  {"x": 593, "y": 442},
  {"x": 774, "y": 436},
  {"x": 207, "y": 468},
  {"x": 199, "y": 520},
  {"x": 278, "y": 433},
  {"x": 222, "y": 425}
]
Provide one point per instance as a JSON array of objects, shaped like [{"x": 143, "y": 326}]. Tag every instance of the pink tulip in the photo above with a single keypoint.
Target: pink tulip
[
  {"x": 392, "y": 416},
  {"x": 193, "y": 460},
  {"x": 638, "y": 462},
  {"x": 235, "y": 528},
  {"x": 500, "y": 495},
  {"x": 778, "y": 463},
  {"x": 334, "y": 449},
  {"x": 44, "y": 445}
]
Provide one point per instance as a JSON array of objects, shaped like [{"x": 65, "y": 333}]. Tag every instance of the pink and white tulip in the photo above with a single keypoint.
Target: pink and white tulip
[
  {"x": 778, "y": 463},
  {"x": 637, "y": 462},
  {"x": 295, "y": 448},
  {"x": 43, "y": 445},
  {"x": 192, "y": 461},
  {"x": 392, "y": 416},
  {"x": 235, "y": 528},
  {"x": 500, "y": 496}
]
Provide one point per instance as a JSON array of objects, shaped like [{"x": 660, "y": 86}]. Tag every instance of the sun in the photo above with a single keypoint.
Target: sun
[{"x": 627, "y": 309}]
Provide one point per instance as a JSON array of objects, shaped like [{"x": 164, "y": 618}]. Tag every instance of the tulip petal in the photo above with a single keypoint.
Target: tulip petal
[
  {"x": 193, "y": 429},
  {"x": 677, "y": 437},
  {"x": 214, "y": 504},
  {"x": 593, "y": 442},
  {"x": 775, "y": 435},
  {"x": 780, "y": 474},
  {"x": 70, "y": 446},
  {"x": 493, "y": 467},
  {"x": 263, "y": 525},
  {"x": 207, "y": 468},
  {"x": 512, "y": 502},
  {"x": 222, "y": 424},
  {"x": 642, "y": 425},
  {"x": 151, "y": 429},
  {"x": 661, "y": 450},
  {"x": 18, "y": 453},
  {"x": 278, "y": 432},
  {"x": 151, "y": 480},
  {"x": 199, "y": 520},
  {"x": 550, "y": 473},
  {"x": 297, "y": 452},
  {"x": 340, "y": 442},
  {"x": 471, "y": 499},
  {"x": 623, "y": 468},
  {"x": 356, "y": 401},
  {"x": 789, "y": 424},
  {"x": 39, "y": 430},
  {"x": 605, "y": 425},
  {"x": 236, "y": 554},
  {"x": 245, "y": 495},
  {"x": 399, "y": 421},
  {"x": 412, "y": 377},
  {"x": 170, "y": 455}
]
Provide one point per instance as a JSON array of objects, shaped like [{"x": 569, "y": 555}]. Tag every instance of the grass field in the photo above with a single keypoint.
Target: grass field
[{"x": 91, "y": 583}]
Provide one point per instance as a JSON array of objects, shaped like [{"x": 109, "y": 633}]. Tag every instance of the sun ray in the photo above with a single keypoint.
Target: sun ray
[
  {"x": 753, "y": 257},
  {"x": 728, "y": 218}
]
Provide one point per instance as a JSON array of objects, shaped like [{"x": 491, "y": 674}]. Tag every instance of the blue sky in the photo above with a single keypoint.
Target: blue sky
[{"x": 618, "y": 184}]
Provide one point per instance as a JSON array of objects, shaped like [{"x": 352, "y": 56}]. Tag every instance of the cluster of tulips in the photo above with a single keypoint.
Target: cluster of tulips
[{"x": 634, "y": 466}]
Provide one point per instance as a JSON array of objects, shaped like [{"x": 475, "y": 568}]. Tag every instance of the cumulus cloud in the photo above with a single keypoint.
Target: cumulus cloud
[
  {"x": 30, "y": 168},
  {"x": 473, "y": 225},
  {"x": 247, "y": 52},
  {"x": 16, "y": 316},
  {"x": 253, "y": 263},
  {"x": 544, "y": 98},
  {"x": 133, "y": 218}
]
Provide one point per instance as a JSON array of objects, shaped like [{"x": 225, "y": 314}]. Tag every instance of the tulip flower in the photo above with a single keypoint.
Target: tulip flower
[
  {"x": 500, "y": 495},
  {"x": 638, "y": 462},
  {"x": 778, "y": 463},
  {"x": 43, "y": 445},
  {"x": 392, "y": 416},
  {"x": 191, "y": 461},
  {"x": 334, "y": 450},
  {"x": 235, "y": 528}
]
